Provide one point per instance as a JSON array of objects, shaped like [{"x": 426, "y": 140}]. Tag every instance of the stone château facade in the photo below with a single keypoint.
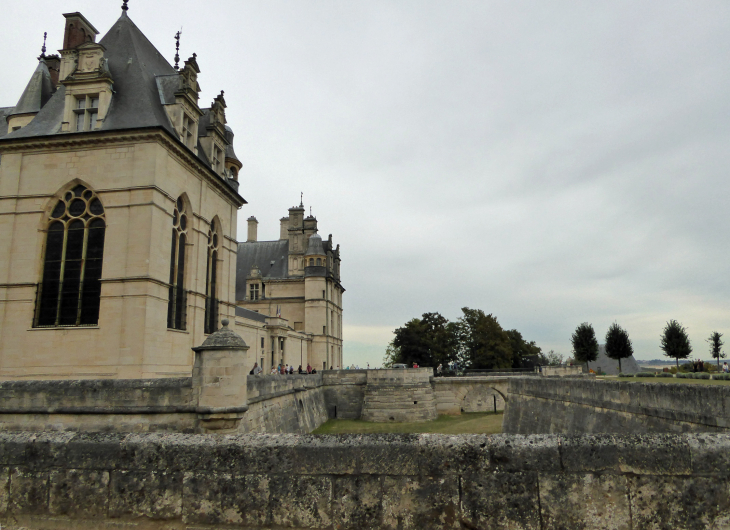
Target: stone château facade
[
  {"x": 295, "y": 278},
  {"x": 119, "y": 197}
]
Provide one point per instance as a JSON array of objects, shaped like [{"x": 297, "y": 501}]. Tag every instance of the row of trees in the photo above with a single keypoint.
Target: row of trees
[
  {"x": 475, "y": 340},
  {"x": 674, "y": 343}
]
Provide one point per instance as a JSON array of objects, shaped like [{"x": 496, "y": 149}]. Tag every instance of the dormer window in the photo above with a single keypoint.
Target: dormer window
[
  {"x": 187, "y": 131},
  {"x": 217, "y": 159},
  {"x": 254, "y": 291},
  {"x": 87, "y": 111}
]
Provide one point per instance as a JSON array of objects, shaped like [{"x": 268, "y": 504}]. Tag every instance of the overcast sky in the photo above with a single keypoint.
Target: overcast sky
[{"x": 547, "y": 162}]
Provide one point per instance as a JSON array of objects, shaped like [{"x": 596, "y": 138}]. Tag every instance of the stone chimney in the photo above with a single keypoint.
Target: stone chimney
[
  {"x": 54, "y": 68},
  {"x": 253, "y": 228},
  {"x": 284, "y": 228},
  {"x": 78, "y": 31}
]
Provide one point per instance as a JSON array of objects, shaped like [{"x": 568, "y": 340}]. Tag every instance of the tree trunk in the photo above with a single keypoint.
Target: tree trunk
[
  {"x": 677, "y": 363},
  {"x": 619, "y": 365}
]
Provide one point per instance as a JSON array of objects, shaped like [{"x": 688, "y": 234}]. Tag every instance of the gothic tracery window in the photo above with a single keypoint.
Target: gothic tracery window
[
  {"x": 70, "y": 290},
  {"x": 177, "y": 304},
  {"x": 211, "y": 292}
]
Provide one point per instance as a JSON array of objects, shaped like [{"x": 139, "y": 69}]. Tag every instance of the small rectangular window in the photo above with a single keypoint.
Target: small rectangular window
[
  {"x": 262, "y": 345},
  {"x": 254, "y": 291},
  {"x": 86, "y": 112}
]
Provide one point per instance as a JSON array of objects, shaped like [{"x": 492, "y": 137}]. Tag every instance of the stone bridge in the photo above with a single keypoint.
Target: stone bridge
[{"x": 454, "y": 395}]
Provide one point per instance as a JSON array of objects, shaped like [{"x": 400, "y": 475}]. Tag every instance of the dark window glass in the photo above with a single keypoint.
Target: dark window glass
[
  {"x": 177, "y": 302},
  {"x": 70, "y": 290}
]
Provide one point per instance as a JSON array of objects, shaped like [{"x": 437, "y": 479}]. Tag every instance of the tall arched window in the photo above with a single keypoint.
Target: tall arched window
[
  {"x": 211, "y": 292},
  {"x": 70, "y": 291},
  {"x": 177, "y": 305}
]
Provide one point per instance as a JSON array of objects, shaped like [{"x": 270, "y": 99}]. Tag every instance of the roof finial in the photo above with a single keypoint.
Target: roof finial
[
  {"x": 43, "y": 48},
  {"x": 124, "y": 5},
  {"x": 301, "y": 199},
  {"x": 177, "y": 49},
  {"x": 310, "y": 211}
]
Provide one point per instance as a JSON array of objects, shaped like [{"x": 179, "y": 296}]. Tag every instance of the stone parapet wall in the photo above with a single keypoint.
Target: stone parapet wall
[
  {"x": 454, "y": 395},
  {"x": 581, "y": 405},
  {"x": 284, "y": 404},
  {"x": 94, "y": 481},
  {"x": 399, "y": 395}
]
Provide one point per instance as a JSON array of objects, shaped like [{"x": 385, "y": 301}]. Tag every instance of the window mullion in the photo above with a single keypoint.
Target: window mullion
[
  {"x": 83, "y": 272},
  {"x": 60, "y": 279},
  {"x": 174, "y": 278}
]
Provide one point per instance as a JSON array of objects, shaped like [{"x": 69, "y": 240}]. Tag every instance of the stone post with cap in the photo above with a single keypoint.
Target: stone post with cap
[{"x": 219, "y": 380}]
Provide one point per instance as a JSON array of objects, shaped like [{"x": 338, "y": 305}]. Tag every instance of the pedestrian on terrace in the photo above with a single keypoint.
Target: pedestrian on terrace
[{"x": 309, "y": 368}]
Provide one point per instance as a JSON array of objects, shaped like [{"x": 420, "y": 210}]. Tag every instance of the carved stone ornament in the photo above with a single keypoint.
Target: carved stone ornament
[{"x": 90, "y": 60}]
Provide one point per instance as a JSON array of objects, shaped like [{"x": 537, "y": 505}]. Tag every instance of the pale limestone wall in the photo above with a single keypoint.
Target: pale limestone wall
[
  {"x": 285, "y": 404},
  {"x": 409, "y": 482},
  {"x": 454, "y": 395},
  {"x": 399, "y": 395},
  {"x": 584, "y": 405},
  {"x": 138, "y": 180}
]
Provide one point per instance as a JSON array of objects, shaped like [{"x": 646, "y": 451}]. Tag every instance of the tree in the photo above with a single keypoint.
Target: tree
[
  {"x": 552, "y": 358},
  {"x": 585, "y": 345},
  {"x": 675, "y": 342},
  {"x": 428, "y": 341},
  {"x": 482, "y": 341},
  {"x": 716, "y": 344},
  {"x": 392, "y": 355},
  {"x": 618, "y": 344},
  {"x": 521, "y": 348}
]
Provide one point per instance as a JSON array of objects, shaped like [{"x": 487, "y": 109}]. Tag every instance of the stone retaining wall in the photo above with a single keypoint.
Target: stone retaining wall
[
  {"x": 175, "y": 482},
  {"x": 399, "y": 395},
  {"x": 564, "y": 405},
  {"x": 454, "y": 395}
]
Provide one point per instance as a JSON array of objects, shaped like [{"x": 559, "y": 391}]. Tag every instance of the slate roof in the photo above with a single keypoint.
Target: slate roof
[
  {"x": 144, "y": 81},
  {"x": 38, "y": 91},
  {"x": 4, "y": 112},
  {"x": 250, "y": 315},
  {"x": 262, "y": 254}
]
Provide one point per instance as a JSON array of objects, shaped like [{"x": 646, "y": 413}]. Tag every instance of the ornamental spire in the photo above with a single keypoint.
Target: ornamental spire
[
  {"x": 43, "y": 48},
  {"x": 125, "y": 7},
  {"x": 177, "y": 49}
]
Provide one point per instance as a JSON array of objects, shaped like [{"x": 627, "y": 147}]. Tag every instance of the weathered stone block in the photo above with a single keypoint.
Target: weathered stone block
[
  {"x": 357, "y": 502},
  {"x": 710, "y": 452},
  {"x": 420, "y": 502},
  {"x": 28, "y": 491},
  {"x": 301, "y": 501},
  {"x": 4, "y": 489},
  {"x": 79, "y": 492},
  {"x": 153, "y": 494},
  {"x": 691, "y": 503},
  {"x": 491, "y": 501},
  {"x": 524, "y": 453},
  {"x": 583, "y": 502}
]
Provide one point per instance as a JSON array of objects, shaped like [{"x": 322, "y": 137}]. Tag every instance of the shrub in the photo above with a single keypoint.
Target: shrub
[
  {"x": 683, "y": 375},
  {"x": 721, "y": 377},
  {"x": 703, "y": 375},
  {"x": 665, "y": 374},
  {"x": 673, "y": 370},
  {"x": 621, "y": 374},
  {"x": 644, "y": 374}
]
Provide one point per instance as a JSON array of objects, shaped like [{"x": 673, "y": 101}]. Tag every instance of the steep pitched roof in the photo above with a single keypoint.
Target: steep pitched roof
[
  {"x": 4, "y": 113},
  {"x": 271, "y": 257},
  {"x": 37, "y": 92},
  {"x": 134, "y": 63}
]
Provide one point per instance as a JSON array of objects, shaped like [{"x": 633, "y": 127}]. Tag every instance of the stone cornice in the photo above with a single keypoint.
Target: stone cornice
[{"x": 103, "y": 138}]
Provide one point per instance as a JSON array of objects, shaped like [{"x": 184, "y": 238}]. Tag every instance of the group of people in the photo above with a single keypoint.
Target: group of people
[
  {"x": 698, "y": 365},
  {"x": 283, "y": 370}
]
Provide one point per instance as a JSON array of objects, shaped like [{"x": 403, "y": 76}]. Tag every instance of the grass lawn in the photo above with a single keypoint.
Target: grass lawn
[
  {"x": 473, "y": 423},
  {"x": 670, "y": 380}
]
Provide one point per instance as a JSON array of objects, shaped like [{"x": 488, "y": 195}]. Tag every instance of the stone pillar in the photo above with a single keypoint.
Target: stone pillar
[{"x": 219, "y": 380}]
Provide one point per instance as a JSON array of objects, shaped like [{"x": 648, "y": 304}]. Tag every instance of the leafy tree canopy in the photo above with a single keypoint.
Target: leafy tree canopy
[
  {"x": 476, "y": 340},
  {"x": 618, "y": 344},
  {"x": 675, "y": 342},
  {"x": 716, "y": 344},
  {"x": 585, "y": 344}
]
